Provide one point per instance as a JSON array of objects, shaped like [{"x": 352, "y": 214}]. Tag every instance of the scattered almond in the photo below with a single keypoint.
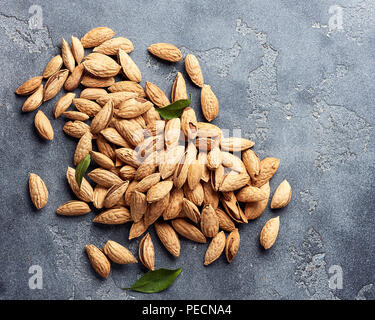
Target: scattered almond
[{"x": 38, "y": 191}]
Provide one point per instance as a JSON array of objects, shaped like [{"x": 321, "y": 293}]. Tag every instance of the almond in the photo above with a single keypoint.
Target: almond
[
  {"x": 195, "y": 195},
  {"x": 98, "y": 260},
  {"x": 130, "y": 131},
  {"x": 214, "y": 158},
  {"x": 63, "y": 104},
  {"x": 225, "y": 222},
  {"x": 73, "y": 208},
  {"x": 282, "y": 195},
  {"x": 102, "y": 66},
  {"x": 105, "y": 147},
  {"x": 172, "y": 132},
  {"x": 191, "y": 211},
  {"x": 112, "y": 135},
  {"x": 89, "y": 107},
  {"x": 188, "y": 231},
  {"x": 76, "y": 115},
  {"x": 128, "y": 156},
  {"x": 156, "y": 95},
  {"x": 53, "y": 66},
  {"x": 102, "y": 118},
  {"x": 54, "y": 84},
  {"x": 137, "y": 229},
  {"x": 175, "y": 204},
  {"x": 194, "y": 174},
  {"x": 146, "y": 252},
  {"x": 73, "y": 81},
  {"x": 91, "y": 81},
  {"x": 119, "y": 215},
  {"x": 209, "y": 221},
  {"x": 38, "y": 191},
  {"x": 111, "y": 46},
  {"x": 96, "y": 37},
  {"x": 92, "y": 93},
  {"x": 114, "y": 194},
  {"x": 189, "y": 123},
  {"x": 34, "y": 101},
  {"x": 133, "y": 108},
  {"x": 43, "y": 126},
  {"x": 128, "y": 86},
  {"x": 165, "y": 51},
  {"x": 193, "y": 69},
  {"x": 210, "y": 196},
  {"x": 215, "y": 248},
  {"x": 234, "y": 144},
  {"x": 118, "y": 253},
  {"x": 234, "y": 181},
  {"x": 173, "y": 157},
  {"x": 30, "y": 86},
  {"x": 76, "y": 129},
  {"x": 138, "y": 205},
  {"x": 116, "y": 97},
  {"x": 232, "y": 244},
  {"x": 104, "y": 177},
  {"x": 159, "y": 191},
  {"x": 67, "y": 55},
  {"x": 127, "y": 172},
  {"x": 179, "y": 88},
  {"x": 209, "y": 103},
  {"x": 84, "y": 146},
  {"x": 129, "y": 68},
  {"x": 77, "y": 50},
  {"x": 102, "y": 160},
  {"x": 269, "y": 233},
  {"x": 254, "y": 210},
  {"x": 232, "y": 207},
  {"x": 268, "y": 168},
  {"x": 85, "y": 192},
  {"x": 99, "y": 196},
  {"x": 251, "y": 194},
  {"x": 168, "y": 238}
]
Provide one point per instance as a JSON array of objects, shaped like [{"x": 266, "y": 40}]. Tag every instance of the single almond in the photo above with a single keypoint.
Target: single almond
[
  {"x": 251, "y": 194},
  {"x": 73, "y": 81},
  {"x": 67, "y": 55},
  {"x": 84, "y": 146},
  {"x": 191, "y": 211},
  {"x": 115, "y": 216},
  {"x": 63, "y": 104},
  {"x": 127, "y": 172},
  {"x": 102, "y": 118},
  {"x": 91, "y": 81},
  {"x": 133, "y": 108},
  {"x": 234, "y": 144},
  {"x": 189, "y": 124},
  {"x": 89, "y": 107},
  {"x": 129, "y": 68},
  {"x": 96, "y": 37},
  {"x": 194, "y": 174},
  {"x": 156, "y": 210},
  {"x": 99, "y": 196},
  {"x": 102, "y": 160},
  {"x": 30, "y": 86},
  {"x": 146, "y": 252},
  {"x": 128, "y": 86},
  {"x": 156, "y": 95},
  {"x": 137, "y": 229},
  {"x": 269, "y": 233},
  {"x": 112, "y": 135},
  {"x": 73, "y": 208},
  {"x": 209, "y": 103},
  {"x": 128, "y": 156},
  {"x": 38, "y": 191},
  {"x": 175, "y": 204},
  {"x": 130, "y": 131},
  {"x": 118, "y": 253},
  {"x": 76, "y": 115},
  {"x": 77, "y": 50},
  {"x": 282, "y": 195},
  {"x": 98, "y": 260},
  {"x": 210, "y": 196},
  {"x": 193, "y": 69},
  {"x": 215, "y": 248},
  {"x": 53, "y": 66},
  {"x": 179, "y": 88},
  {"x": 209, "y": 221},
  {"x": 43, "y": 125},
  {"x": 116, "y": 97},
  {"x": 195, "y": 195},
  {"x": 232, "y": 244},
  {"x": 232, "y": 207},
  {"x": 234, "y": 181},
  {"x": 138, "y": 205},
  {"x": 225, "y": 222},
  {"x": 173, "y": 157},
  {"x": 92, "y": 93},
  {"x": 168, "y": 238},
  {"x": 76, "y": 129},
  {"x": 188, "y": 230},
  {"x": 102, "y": 66},
  {"x": 111, "y": 46},
  {"x": 34, "y": 101},
  {"x": 159, "y": 191},
  {"x": 214, "y": 158},
  {"x": 54, "y": 84},
  {"x": 83, "y": 192},
  {"x": 165, "y": 51},
  {"x": 105, "y": 147},
  {"x": 104, "y": 177}
]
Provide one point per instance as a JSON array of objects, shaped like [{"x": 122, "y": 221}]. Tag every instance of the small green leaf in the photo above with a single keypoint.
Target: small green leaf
[
  {"x": 174, "y": 110},
  {"x": 81, "y": 169},
  {"x": 155, "y": 281}
]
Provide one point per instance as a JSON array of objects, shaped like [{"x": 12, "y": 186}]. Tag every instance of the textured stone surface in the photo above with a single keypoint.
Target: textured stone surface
[{"x": 303, "y": 92}]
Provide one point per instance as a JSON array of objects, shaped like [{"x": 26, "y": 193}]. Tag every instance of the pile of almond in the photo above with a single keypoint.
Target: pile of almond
[{"x": 182, "y": 176}]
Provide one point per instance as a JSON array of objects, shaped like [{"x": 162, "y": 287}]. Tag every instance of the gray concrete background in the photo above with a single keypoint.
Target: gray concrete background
[{"x": 304, "y": 93}]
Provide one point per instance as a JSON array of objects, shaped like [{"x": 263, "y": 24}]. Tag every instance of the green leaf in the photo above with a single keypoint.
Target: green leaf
[
  {"x": 174, "y": 110},
  {"x": 155, "y": 281},
  {"x": 81, "y": 169}
]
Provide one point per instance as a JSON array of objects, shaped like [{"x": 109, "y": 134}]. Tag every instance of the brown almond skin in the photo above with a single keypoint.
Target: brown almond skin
[
  {"x": 268, "y": 167},
  {"x": 77, "y": 50},
  {"x": 38, "y": 191},
  {"x": 96, "y": 37},
  {"x": 225, "y": 222},
  {"x": 118, "y": 253},
  {"x": 67, "y": 55},
  {"x": 215, "y": 248},
  {"x": 84, "y": 146},
  {"x": 54, "y": 84},
  {"x": 74, "y": 79},
  {"x": 282, "y": 195},
  {"x": 30, "y": 86},
  {"x": 269, "y": 233},
  {"x": 119, "y": 215},
  {"x": 43, "y": 126},
  {"x": 73, "y": 208},
  {"x": 146, "y": 252},
  {"x": 232, "y": 244},
  {"x": 34, "y": 101},
  {"x": 53, "y": 66},
  {"x": 165, "y": 51},
  {"x": 209, "y": 103},
  {"x": 63, "y": 104},
  {"x": 168, "y": 237},
  {"x": 98, "y": 261},
  {"x": 193, "y": 69},
  {"x": 188, "y": 230},
  {"x": 83, "y": 192},
  {"x": 209, "y": 222}
]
